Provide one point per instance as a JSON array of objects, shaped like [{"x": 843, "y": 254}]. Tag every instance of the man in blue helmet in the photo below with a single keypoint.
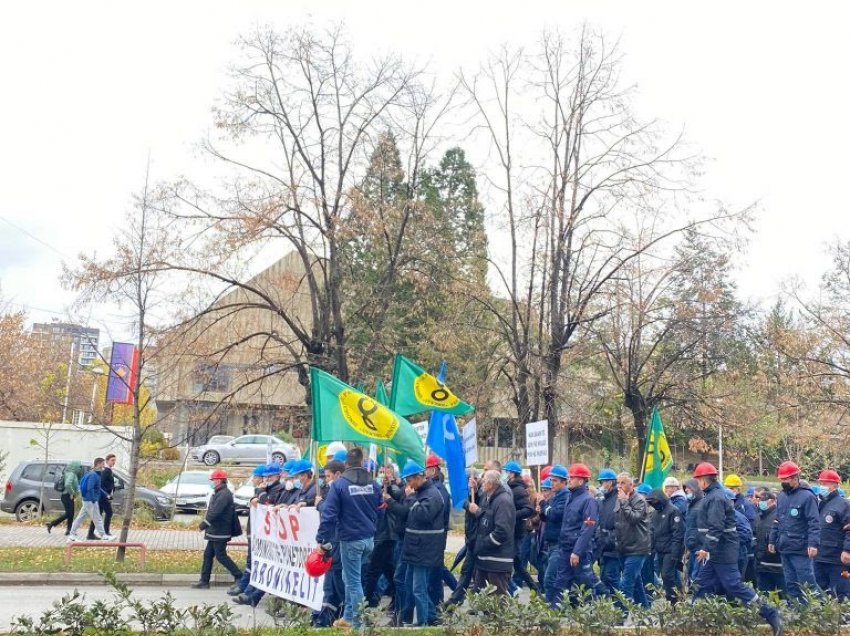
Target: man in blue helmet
[
  {"x": 552, "y": 515},
  {"x": 302, "y": 474},
  {"x": 258, "y": 481},
  {"x": 606, "y": 544},
  {"x": 524, "y": 510}
]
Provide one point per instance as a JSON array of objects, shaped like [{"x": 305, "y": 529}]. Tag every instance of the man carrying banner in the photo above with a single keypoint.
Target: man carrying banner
[{"x": 350, "y": 514}]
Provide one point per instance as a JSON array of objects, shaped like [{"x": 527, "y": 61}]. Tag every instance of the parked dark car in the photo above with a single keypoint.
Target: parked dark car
[{"x": 24, "y": 488}]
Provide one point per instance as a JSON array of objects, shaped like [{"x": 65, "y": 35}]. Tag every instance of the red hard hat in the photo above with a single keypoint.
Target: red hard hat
[
  {"x": 705, "y": 469},
  {"x": 787, "y": 469},
  {"x": 432, "y": 462},
  {"x": 544, "y": 472},
  {"x": 218, "y": 473},
  {"x": 829, "y": 476},
  {"x": 579, "y": 470},
  {"x": 318, "y": 563}
]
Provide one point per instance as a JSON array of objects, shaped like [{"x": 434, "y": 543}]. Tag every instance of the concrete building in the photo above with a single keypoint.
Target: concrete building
[{"x": 83, "y": 340}]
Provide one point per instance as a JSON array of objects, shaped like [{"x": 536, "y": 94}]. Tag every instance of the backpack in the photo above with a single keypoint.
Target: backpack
[{"x": 59, "y": 482}]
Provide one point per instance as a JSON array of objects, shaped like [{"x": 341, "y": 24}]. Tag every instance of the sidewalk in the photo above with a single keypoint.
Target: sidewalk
[{"x": 21, "y": 536}]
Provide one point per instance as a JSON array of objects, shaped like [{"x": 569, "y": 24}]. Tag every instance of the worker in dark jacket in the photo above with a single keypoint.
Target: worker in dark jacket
[
  {"x": 796, "y": 533},
  {"x": 258, "y": 482},
  {"x": 668, "y": 541},
  {"x": 524, "y": 510},
  {"x": 470, "y": 531},
  {"x": 834, "y": 551},
  {"x": 435, "y": 583},
  {"x": 305, "y": 494},
  {"x": 632, "y": 533},
  {"x": 494, "y": 544},
  {"x": 334, "y": 590},
  {"x": 424, "y": 541},
  {"x": 692, "y": 538},
  {"x": 383, "y": 561},
  {"x": 606, "y": 544},
  {"x": 575, "y": 543},
  {"x": 552, "y": 516},
  {"x": 769, "y": 574},
  {"x": 351, "y": 512},
  {"x": 718, "y": 551},
  {"x": 219, "y": 526}
]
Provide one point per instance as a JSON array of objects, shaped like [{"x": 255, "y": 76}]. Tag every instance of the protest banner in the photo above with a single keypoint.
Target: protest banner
[
  {"x": 470, "y": 442},
  {"x": 281, "y": 540},
  {"x": 537, "y": 443}
]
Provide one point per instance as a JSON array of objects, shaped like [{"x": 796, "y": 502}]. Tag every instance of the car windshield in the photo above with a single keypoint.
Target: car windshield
[
  {"x": 219, "y": 439},
  {"x": 194, "y": 479}
]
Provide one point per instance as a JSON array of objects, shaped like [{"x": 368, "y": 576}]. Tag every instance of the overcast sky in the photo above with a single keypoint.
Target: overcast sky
[{"x": 89, "y": 89}]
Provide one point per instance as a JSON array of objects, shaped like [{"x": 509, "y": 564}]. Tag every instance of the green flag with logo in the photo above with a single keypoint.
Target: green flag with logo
[
  {"x": 416, "y": 391},
  {"x": 658, "y": 459},
  {"x": 340, "y": 412}
]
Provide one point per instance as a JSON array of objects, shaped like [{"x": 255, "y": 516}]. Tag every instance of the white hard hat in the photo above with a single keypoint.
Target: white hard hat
[
  {"x": 334, "y": 448},
  {"x": 671, "y": 481}
]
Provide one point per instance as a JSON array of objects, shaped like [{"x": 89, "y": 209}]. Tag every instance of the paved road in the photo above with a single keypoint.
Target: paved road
[
  {"x": 40, "y": 598},
  {"x": 25, "y": 536}
]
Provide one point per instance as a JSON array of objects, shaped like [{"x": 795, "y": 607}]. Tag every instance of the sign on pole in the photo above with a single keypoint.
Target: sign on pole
[
  {"x": 537, "y": 443},
  {"x": 421, "y": 429},
  {"x": 470, "y": 442},
  {"x": 281, "y": 540}
]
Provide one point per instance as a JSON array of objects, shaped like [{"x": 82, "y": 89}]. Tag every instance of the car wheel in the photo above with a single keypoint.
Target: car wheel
[
  {"x": 278, "y": 458},
  {"x": 27, "y": 510},
  {"x": 211, "y": 458}
]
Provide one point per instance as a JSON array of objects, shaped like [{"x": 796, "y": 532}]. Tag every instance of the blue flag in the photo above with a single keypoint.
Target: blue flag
[{"x": 445, "y": 441}]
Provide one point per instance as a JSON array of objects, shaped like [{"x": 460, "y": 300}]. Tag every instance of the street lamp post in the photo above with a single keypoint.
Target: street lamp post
[{"x": 97, "y": 373}]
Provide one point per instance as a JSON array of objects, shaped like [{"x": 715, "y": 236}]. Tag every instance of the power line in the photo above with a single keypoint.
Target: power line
[{"x": 33, "y": 237}]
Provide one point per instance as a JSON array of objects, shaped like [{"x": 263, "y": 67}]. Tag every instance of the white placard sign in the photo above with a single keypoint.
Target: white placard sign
[
  {"x": 537, "y": 443},
  {"x": 280, "y": 543},
  {"x": 470, "y": 442},
  {"x": 421, "y": 429}
]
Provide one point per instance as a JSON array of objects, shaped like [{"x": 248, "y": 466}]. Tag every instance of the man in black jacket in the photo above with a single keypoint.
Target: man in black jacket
[
  {"x": 494, "y": 543},
  {"x": 524, "y": 510},
  {"x": 219, "y": 526},
  {"x": 470, "y": 531},
  {"x": 769, "y": 575},
  {"x": 423, "y": 546},
  {"x": 606, "y": 545},
  {"x": 834, "y": 551},
  {"x": 631, "y": 530},
  {"x": 383, "y": 556},
  {"x": 107, "y": 485},
  {"x": 668, "y": 539}
]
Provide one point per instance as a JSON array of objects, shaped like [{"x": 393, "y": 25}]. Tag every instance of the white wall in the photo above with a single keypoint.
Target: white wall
[{"x": 67, "y": 441}]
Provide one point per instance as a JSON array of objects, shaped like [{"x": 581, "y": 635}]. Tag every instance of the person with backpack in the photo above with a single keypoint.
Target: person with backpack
[
  {"x": 91, "y": 492},
  {"x": 68, "y": 483}
]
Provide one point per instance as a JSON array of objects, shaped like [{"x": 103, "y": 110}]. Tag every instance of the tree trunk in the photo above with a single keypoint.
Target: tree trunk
[{"x": 130, "y": 493}]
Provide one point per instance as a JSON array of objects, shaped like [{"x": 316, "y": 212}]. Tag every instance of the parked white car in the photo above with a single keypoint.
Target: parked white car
[
  {"x": 242, "y": 496},
  {"x": 247, "y": 449},
  {"x": 190, "y": 490}
]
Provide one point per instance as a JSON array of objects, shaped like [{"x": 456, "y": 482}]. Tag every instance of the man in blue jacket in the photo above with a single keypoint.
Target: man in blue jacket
[
  {"x": 575, "y": 564},
  {"x": 796, "y": 531},
  {"x": 350, "y": 513},
  {"x": 605, "y": 543},
  {"x": 552, "y": 515},
  {"x": 91, "y": 493},
  {"x": 718, "y": 548},
  {"x": 834, "y": 551},
  {"x": 334, "y": 590}
]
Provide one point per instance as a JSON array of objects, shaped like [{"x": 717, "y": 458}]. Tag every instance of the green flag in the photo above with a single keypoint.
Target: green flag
[
  {"x": 658, "y": 460},
  {"x": 415, "y": 391},
  {"x": 381, "y": 393},
  {"x": 342, "y": 413}
]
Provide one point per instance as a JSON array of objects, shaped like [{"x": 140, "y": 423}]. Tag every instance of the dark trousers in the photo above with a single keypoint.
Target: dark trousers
[
  {"x": 668, "y": 568},
  {"x": 609, "y": 572},
  {"x": 334, "y": 597},
  {"x": 521, "y": 574},
  {"x": 245, "y": 580},
  {"x": 217, "y": 550},
  {"x": 568, "y": 576},
  {"x": 768, "y": 580},
  {"x": 403, "y": 594},
  {"x": 382, "y": 562},
  {"x": 68, "y": 515},
  {"x": 725, "y": 578},
  {"x": 799, "y": 570},
  {"x": 467, "y": 571},
  {"x": 828, "y": 576},
  {"x": 499, "y": 580},
  {"x": 105, "y": 505}
]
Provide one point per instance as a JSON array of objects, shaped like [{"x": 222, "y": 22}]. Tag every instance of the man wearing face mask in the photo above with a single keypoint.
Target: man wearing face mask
[
  {"x": 552, "y": 515},
  {"x": 606, "y": 544},
  {"x": 668, "y": 537},
  {"x": 305, "y": 485},
  {"x": 769, "y": 574},
  {"x": 288, "y": 494},
  {"x": 692, "y": 539},
  {"x": 796, "y": 533},
  {"x": 834, "y": 552}
]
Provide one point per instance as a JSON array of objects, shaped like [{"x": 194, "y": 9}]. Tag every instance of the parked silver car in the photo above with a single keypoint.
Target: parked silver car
[
  {"x": 247, "y": 449},
  {"x": 29, "y": 482}
]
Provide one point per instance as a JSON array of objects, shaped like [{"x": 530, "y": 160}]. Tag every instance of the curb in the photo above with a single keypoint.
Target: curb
[{"x": 91, "y": 578}]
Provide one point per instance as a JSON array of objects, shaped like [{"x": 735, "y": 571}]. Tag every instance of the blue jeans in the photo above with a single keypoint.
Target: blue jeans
[
  {"x": 609, "y": 572},
  {"x": 549, "y": 577},
  {"x": 418, "y": 580},
  {"x": 798, "y": 569},
  {"x": 631, "y": 579},
  {"x": 355, "y": 556},
  {"x": 403, "y": 596}
]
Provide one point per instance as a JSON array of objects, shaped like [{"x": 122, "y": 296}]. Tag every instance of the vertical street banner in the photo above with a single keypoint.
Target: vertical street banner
[
  {"x": 537, "y": 443},
  {"x": 281, "y": 541},
  {"x": 123, "y": 369},
  {"x": 470, "y": 442}
]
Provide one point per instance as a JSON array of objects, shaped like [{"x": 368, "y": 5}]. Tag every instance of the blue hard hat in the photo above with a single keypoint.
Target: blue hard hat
[
  {"x": 729, "y": 494},
  {"x": 559, "y": 470},
  {"x": 751, "y": 491},
  {"x": 644, "y": 489},
  {"x": 513, "y": 467},
  {"x": 288, "y": 465},
  {"x": 547, "y": 484},
  {"x": 607, "y": 474},
  {"x": 411, "y": 468},
  {"x": 340, "y": 455},
  {"x": 259, "y": 471},
  {"x": 300, "y": 466},
  {"x": 269, "y": 470}
]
